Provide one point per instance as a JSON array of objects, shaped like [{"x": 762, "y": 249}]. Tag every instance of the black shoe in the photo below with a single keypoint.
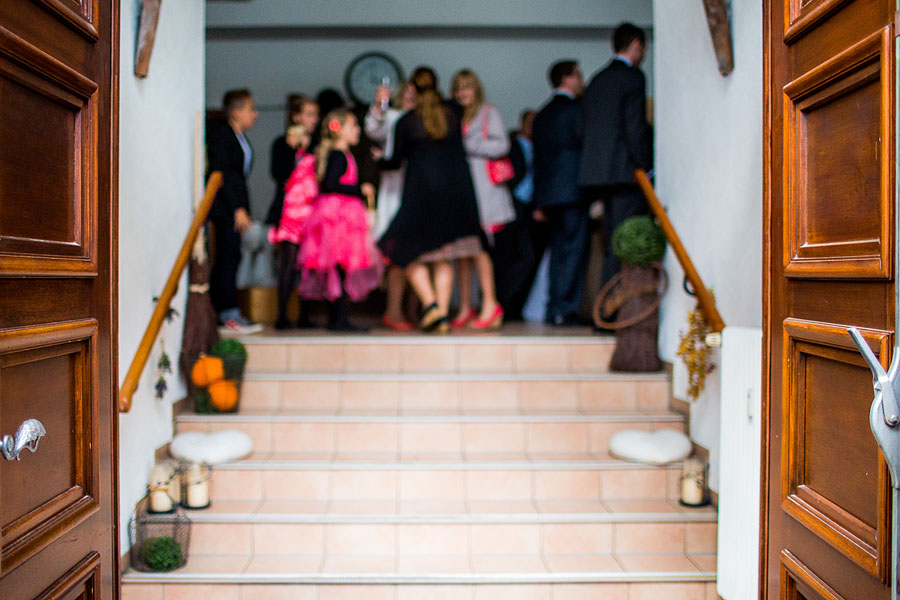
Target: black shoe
[
  {"x": 567, "y": 321},
  {"x": 281, "y": 323},
  {"x": 346, "y": 327},
  {"x": 305, "y": 323}
]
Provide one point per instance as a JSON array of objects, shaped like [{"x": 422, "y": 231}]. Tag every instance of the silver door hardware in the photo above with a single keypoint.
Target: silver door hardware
[{"x": 27, "y": 436}]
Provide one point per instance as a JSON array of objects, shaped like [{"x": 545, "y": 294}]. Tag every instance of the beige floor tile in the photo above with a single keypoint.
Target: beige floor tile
[
  {"x": 506, "y": 539},
  {"x": 640, "y": 506},
  {"x": 669, "y": 591},
  {"x": 653, "y": 394},
  {"x": 548, "y": 396},
  {"x": 633, "y": 484},
  {"x": 707, "y": 563},
  {"x": 435, "y": 592},
  {"x": 431, "y": 437},
  {"x": 367, "y": 437},
  {"x": 567, "y": 485},
  {"x": 499, "y": 485},
  {"x": 432, "y": 539},
  {"x": 433, "y": 507},
  {"x": 356, "y": 592},
  {"x": 359, "y": 565},
  {"x": 478, "y": 397},
  {"x": 571, "y": 507},
  {"x": 260, "y": 433},
  {"x": 557, "y": 437},
  {"x": 221, "y": 538},
  {"x": 303, "y": 437},
  {"x": 601, "y": 433},
  {"x": 191, "y": 591},
  {"x": 288, "y": 538},
  {"x": 647, "y": 538},
  {"x": 294, "y": 507},
  {"x": 485, "y": 358},
  {"x": 590, "y": 358},
  {"x": 541, "y": 358},
  {"x": 371, "y": 397},
  {"x": 432, "y": 485},
  {"x": 494, "y": 437},
  {"x": 211, "y": 564},
  {"x": 310, "y": 395},
  {"x": 316, "y": 358},
  {"x": 603, "y": 396},
  {"x": 701, "y": 538},
  {"x": 711, "y": 591},
  {"x": 363, "y": 507},
  {"x": 296, "y": 485},
  {"x": 227, "y": 484},
  {"x": 142, "y": 591},
  {"x": 372, "y": 358},
  {"x": 512, "y": 592},
  {"x": 431, "y": 457},
  {"x": 230, "y": 507},
  {"x": 285, "y": 565},
  {"x": 265, "y": 358},
  {"x": 364, "y": 485},
  {"x": 492, "y": 563},
  {"x": 428, "y": 395},
  {"x": 260, "y": 395},
  {"x": 501, "y": 507},
  {"x": 577, "y": 538},
  {"x": 582, "y": 563},
  {"x": 590, "y": 591},
  {"x": 354, "y": 539},
  {"x": 278, "y": 592},
  {"x": 657, "y": 563},
  {"x": 428, "y": 358}
]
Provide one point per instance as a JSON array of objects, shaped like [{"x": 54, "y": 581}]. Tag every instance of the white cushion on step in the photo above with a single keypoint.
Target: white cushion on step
[
  {"x": 212, "y": 448},
  {"x": 656, "y": 448}
]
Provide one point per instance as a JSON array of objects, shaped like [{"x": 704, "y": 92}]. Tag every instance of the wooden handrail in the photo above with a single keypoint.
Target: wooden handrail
[
  {"x": 704, "y": 297},
  {"x": 165, "y": 298}
]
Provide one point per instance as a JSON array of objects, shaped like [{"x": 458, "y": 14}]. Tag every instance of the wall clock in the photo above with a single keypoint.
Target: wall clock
[{"x": 367, "y": 71}]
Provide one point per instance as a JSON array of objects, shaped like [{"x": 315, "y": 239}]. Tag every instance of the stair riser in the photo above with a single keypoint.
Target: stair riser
[
  {"x": 324, "y": 438},
  {"x": 437, "y": 484},
  {"x": 611, "y": 591},
  {"x": 468, "y": 396},
  {"x": 452, "y": 539},
  {"x": 487, "y": 357}
]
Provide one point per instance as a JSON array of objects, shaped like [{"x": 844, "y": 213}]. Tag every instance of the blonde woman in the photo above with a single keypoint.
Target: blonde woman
[{"x": 485, "y": 138}]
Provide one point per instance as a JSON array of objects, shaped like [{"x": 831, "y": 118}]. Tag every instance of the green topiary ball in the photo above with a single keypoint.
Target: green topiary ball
[
  {"x": 162, "y": 553},
  {"x": 234, "y": 357},
  {"x": 639, "y": 241}
]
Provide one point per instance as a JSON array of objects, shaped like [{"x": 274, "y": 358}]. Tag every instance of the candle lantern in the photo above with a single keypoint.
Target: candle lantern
[
  {"x": 162, "y": 499},
  {"x": 694, "y": 490},
  {"x": 195, "y": 486}
]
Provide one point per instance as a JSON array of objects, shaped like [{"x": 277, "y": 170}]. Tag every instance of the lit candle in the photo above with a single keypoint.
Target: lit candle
[
  {"x": 160, "y": 480},
  {"x": 693, "y": 484},
  {"x": 197, "y": 486}
]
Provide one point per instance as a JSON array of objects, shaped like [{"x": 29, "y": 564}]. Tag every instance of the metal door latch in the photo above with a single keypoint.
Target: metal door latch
[
  {"x": 884, "y": 418},
  {"x": 27, "y": 436}
]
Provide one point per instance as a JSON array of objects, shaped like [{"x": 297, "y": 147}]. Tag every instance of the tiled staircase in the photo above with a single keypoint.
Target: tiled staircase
[{"x": 408, "y": 468}]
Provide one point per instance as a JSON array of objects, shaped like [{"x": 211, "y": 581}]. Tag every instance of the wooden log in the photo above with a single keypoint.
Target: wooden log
[
  {"x": 720, "y": 30},
  {"x": 146, "y": 36}
]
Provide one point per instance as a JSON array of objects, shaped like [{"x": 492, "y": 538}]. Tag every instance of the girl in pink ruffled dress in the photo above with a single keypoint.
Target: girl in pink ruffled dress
[{"x": 338, "y": 259}]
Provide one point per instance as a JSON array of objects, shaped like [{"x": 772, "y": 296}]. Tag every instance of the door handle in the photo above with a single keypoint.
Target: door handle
[
  {"x": 884, "y": 418},
  {"x": 27, "y": 436}
]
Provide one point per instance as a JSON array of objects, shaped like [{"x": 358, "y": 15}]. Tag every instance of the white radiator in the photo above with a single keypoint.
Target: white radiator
[{"x": 739, "y": 464}]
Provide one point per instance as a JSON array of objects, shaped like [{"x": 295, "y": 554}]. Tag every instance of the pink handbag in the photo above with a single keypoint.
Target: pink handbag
[{"x": 499, "y": 170}]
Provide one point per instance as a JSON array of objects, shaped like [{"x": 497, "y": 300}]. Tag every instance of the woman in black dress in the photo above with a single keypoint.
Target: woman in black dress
[{"x": 437, "y": 221}]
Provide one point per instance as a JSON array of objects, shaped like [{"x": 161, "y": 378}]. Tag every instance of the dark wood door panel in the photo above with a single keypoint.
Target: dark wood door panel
[
  {"x": 799, "y": 582},
  {"x": 839, "y": 189},
  {"x": 82, "y": 15}
]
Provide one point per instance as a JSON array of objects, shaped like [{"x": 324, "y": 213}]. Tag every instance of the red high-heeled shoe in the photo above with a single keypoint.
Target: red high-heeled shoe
[
  {"x": 492, "y": 322},
  {"x": 396, "y": 325},
  {"x": 462, "y": 321}
]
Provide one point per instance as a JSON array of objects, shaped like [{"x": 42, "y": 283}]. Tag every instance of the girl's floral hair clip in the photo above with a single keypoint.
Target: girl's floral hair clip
[{"x": 334, "y": 125}]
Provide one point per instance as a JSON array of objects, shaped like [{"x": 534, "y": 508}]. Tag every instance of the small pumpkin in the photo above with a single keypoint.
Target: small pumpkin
[
  {"x": 207, "y": 370},
  {"x": 223, "y": 395}
]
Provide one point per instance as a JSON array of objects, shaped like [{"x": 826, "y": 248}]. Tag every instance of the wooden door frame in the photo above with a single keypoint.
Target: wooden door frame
[{"x": 114, "y": 77}]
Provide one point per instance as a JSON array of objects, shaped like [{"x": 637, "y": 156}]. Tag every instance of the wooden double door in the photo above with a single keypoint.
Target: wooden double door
[
  {"x": 58, "y": 111},
  {"x": 830, "y": 166}
]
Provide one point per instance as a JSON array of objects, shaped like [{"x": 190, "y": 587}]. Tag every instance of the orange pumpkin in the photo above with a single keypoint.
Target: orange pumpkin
[
  {"x": 223, "y": 395},
  {"x": 207, "y": 370}
]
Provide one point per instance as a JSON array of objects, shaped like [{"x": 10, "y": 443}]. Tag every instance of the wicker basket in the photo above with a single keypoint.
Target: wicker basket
[{"x": 146, "y": 528}]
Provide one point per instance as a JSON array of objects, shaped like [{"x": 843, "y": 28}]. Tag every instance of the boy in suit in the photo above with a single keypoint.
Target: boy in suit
[
  {"x": 230, "y": 152},
  {"x": 617, "y": 137},
  {"x": 557, "y": 197}
]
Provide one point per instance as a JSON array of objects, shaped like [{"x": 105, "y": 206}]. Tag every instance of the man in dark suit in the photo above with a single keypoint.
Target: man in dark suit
[
  {"x": 617, "y": 137},
  {"x": 229, "y": 152},
  {"x": 557, "y": 197}
]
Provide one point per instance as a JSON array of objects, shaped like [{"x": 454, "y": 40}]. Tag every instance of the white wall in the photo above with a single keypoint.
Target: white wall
[
  {"x": 709, "y": 175},
  {"x": 258, "y": 46},
  {"x": 156, "y": 141}
]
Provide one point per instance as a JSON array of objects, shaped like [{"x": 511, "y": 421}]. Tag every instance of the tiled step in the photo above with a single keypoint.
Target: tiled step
[
  {"x": 475, "y": 479},
  {"x": 622, "y": 587},
  {"x": 417, "y": 354},
  {"x": 395, "y": 393},
  {"x": 393, "y": 437}
]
